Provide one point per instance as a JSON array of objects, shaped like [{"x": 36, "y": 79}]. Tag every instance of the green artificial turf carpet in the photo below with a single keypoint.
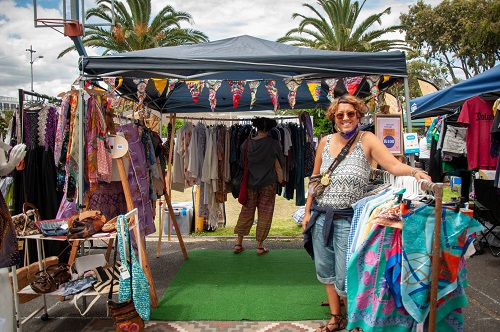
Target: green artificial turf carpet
[{"x": 219, "y": 285}]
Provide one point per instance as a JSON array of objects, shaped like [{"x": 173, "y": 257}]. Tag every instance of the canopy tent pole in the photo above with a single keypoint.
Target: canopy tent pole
[{"x": 408, "y": 115}]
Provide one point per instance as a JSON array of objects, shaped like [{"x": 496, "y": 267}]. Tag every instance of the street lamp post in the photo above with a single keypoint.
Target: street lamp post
[{"x": 31, "y": 50}]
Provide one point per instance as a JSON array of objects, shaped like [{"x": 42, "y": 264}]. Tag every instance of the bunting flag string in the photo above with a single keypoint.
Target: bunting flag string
[
  {"x": 332, "y": 83},
  {"x": 160, "y": 85},
  {"x": 141, "y": 84},
  {"x": 195, "y": 87},
  {"x": 314, "y": 88},
  {"x": 253, "y": 91},
  {"x": 352, "y": 83},
  {"x": 292, "y": 84},
  {"x": 213, "y": 86},
  {"x": 273, "y": 93},
  {"x": 237, "y": 88}
]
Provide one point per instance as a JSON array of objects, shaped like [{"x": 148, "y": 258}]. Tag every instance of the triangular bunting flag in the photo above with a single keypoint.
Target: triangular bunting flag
[
  {"x": 314, "y": 88},
  {"x": 171, "y": 84},
  {"x": 237, "y": 88},
  {"x": 213, "y": 86},
  {"x": 110, "y": 82},
  {"x": 160, "y": 85},
  {"x": 141, "y": 84},
  {"x": 253, "y": 91},
  {"x": 195, "y": 87},
  {"x": 292, "y": 84},
  {"x": 372, "y": 81},
  {"x": 352, "y": 83},
  {"x": 386, "y": 78},
  {"x": 332, "y": 83},
  {"x": 273, "y": 92}
]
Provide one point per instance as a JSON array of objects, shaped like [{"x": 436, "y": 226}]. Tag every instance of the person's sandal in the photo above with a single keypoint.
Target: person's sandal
[
  {"x": 262, "y": 251},
  {"x": 238, "y": 248},
  {"x": 339, "y": 324}
]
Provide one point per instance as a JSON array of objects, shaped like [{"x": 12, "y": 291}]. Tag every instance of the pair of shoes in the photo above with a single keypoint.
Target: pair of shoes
[
  {"x": 356, "y": 329},
  {"x": 262, "y": 251},
  {"x": 338, "y": 324},
  {"x": 238, "y": 248}
]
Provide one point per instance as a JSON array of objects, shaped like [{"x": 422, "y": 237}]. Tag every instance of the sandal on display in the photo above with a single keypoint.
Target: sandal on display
[
  {"x": 338, "y": 324},
  {"x": 262, "y": 251},
  {"x": 238, "y": 248}
]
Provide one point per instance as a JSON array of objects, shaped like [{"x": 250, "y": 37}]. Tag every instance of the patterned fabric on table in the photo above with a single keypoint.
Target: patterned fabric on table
[{"x": 140, "y": 286}]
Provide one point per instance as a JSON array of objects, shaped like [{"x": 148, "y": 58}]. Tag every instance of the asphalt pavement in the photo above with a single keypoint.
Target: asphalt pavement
[{"x": 481, "y": 314}]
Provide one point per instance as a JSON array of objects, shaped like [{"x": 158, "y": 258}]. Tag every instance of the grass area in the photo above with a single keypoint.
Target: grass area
[{"x": 283, "y": 223}]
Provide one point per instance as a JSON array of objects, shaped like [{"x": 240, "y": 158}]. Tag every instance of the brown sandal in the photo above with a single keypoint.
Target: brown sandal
[
  {"x": 238, "y": 248},
  {"x": 262, "y": 251},
  {"x": 338, "y": 325}
]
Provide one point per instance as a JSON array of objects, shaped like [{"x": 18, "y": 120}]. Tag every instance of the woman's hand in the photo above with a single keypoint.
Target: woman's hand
[
  {"x": 305, "y": 220},
  {"x": 421, "y": 175}
]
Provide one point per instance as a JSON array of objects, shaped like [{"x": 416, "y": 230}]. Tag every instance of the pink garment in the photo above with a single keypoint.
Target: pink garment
[{"x": 477, "y": 115}]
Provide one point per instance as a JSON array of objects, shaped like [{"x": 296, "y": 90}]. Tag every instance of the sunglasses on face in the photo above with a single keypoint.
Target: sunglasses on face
[{"x": 350, "y": 115}]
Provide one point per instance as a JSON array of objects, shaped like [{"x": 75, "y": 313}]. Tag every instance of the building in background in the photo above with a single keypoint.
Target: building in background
[{"x": 8, "y": 103}]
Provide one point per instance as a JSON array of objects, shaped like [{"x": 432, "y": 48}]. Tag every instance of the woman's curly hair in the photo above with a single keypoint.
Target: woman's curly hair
[
  {"x": 358, "y": 104},
  {"x": 264, "y": 124}
]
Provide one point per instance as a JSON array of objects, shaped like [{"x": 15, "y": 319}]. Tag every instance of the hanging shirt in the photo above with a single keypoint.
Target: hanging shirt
[{"x": 477, "y": 115}]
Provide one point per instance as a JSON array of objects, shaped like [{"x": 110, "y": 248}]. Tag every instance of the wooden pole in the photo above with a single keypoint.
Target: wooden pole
[
  {"x": 436, "y": 251},
  {"x": 130, "y": 206},
  {"x": 158, "y": 248}
]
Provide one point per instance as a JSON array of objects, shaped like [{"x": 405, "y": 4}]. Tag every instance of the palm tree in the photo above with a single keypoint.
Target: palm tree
[
  {"x": 337, "y": 30},
  {"x": 134, "y": 29}
]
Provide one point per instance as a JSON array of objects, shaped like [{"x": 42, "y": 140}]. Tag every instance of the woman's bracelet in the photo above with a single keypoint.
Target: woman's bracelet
[{"x": 414, "y": 171}]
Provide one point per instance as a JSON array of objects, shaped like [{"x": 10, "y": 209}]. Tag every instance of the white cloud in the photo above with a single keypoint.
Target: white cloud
[{"x": 267, "y": 19}]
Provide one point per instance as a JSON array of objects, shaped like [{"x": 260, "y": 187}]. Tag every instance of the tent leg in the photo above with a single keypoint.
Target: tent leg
[{"x": 176, "y": 225}]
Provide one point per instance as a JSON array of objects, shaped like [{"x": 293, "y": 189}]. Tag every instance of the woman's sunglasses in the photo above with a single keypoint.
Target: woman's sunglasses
[{"x": 350, "y": 115}]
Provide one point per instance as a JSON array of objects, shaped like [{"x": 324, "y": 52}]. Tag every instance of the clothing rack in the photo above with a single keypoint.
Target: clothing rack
[
  {"x": 235, "y": 119},
  {"x": 437, "y": 189},
  {"x": 22, "y": 94}
]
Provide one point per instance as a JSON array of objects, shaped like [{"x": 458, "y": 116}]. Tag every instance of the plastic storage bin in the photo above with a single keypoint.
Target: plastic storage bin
[{"x": 184, "y": 217}]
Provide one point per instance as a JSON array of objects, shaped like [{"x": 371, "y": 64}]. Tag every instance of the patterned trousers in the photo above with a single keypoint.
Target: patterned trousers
[{"x": 263, "y": 200}]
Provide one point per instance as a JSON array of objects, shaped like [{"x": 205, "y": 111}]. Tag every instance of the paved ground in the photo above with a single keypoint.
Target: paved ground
[{"x": 481, "y": 314}]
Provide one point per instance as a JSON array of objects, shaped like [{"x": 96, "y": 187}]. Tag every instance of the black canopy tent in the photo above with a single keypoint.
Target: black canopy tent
[
  {"x": 240, "y": 58},
  {"x": 248, "y": 58}
]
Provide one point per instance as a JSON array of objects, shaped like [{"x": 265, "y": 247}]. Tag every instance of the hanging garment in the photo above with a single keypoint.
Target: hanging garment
[
  {"x": 138, "y": 178},
  {"x": 140, "y": 286},
  {"x": 477, "y": 115},
  {"x": 417, "y": 252}
]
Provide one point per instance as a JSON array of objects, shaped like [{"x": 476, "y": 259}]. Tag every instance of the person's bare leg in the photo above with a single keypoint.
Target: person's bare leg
[
  {"x": 239, "y": 245},
  {"x": 260, "y": 248},
  {"x": 336, "y": 322}
]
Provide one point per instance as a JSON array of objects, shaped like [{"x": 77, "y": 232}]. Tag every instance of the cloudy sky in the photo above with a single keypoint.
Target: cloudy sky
[{"x": 267, "y": 19}]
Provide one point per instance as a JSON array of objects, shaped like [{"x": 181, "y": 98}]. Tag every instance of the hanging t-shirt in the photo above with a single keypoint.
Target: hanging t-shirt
[{"x": 477, "y": 115}]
